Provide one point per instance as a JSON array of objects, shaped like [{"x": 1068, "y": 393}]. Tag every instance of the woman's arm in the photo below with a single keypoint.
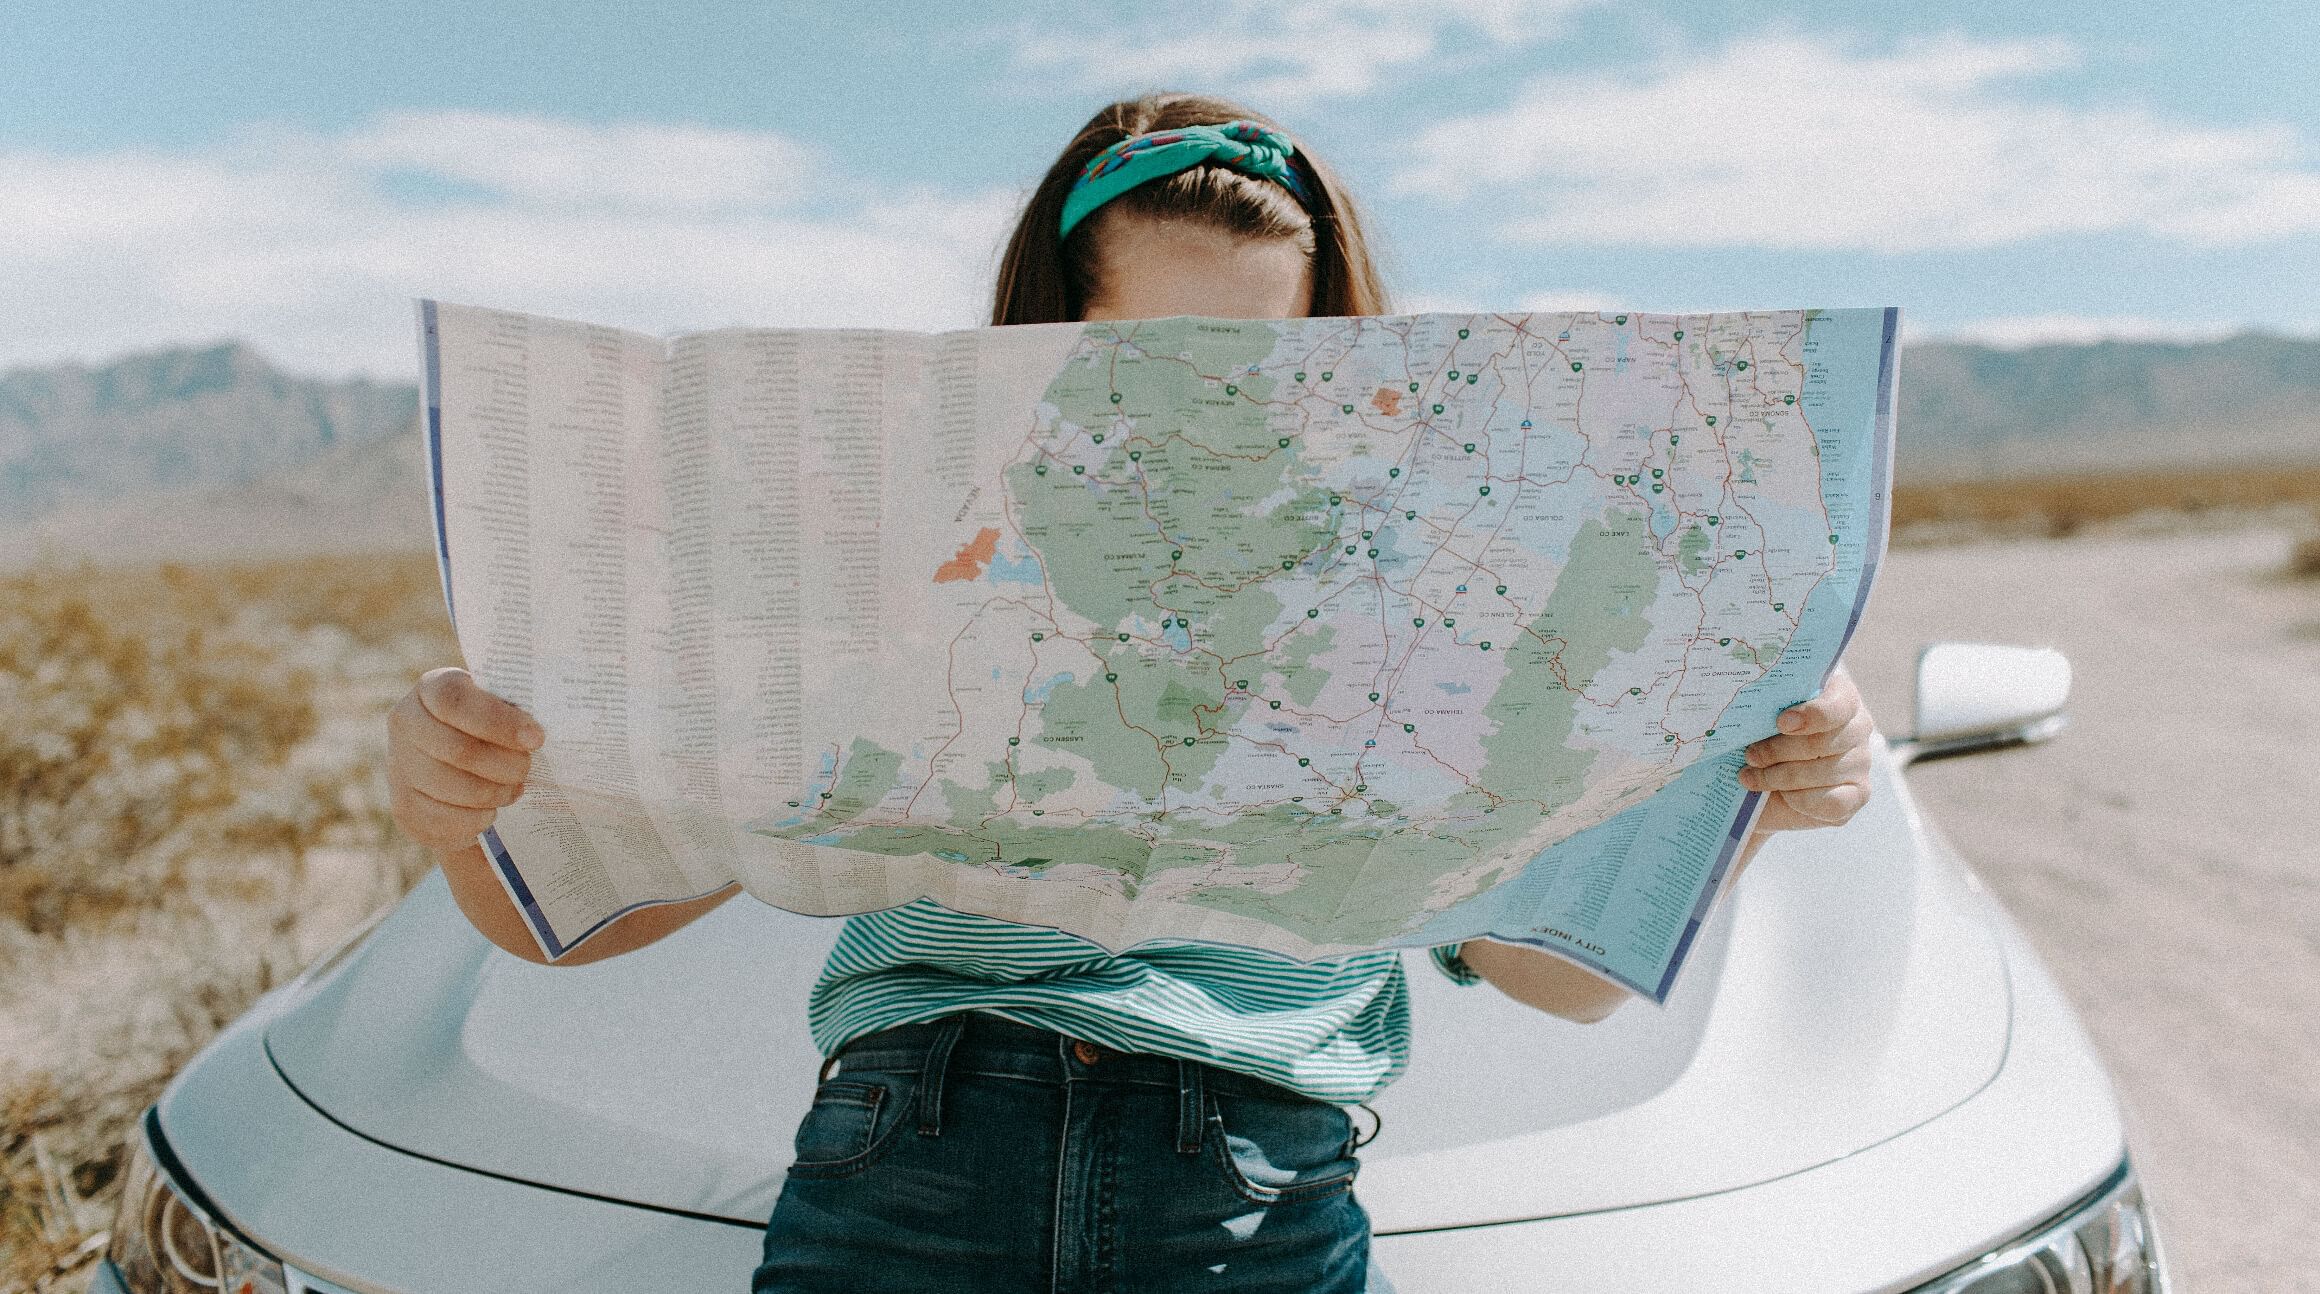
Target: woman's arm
[
  {"x": 456, "y": 755},
  {"x": 1814, "y": 774},
  {"x": 495, "y": 916}
]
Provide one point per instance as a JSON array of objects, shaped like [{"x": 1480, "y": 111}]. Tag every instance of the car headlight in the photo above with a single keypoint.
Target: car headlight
[
  {"x": 2104, "y": 1244},
  {"x": 166, "y": 1240}
]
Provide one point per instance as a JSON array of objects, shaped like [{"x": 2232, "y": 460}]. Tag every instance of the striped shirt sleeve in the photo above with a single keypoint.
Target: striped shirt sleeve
[{"x": 1446, "y": 959}]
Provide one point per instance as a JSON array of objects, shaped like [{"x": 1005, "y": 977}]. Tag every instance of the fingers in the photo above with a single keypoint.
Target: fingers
[
  {"x": 1827, "y": 806},
  {"x": 452, "y": 696},
  {"x": 456, "y": 754},
  {"x": 1830, "y": 710},
  {"x": 1808, "y": 774},
  {"x": 1813, "y": 745},
  {"x": 458, "y": 787},
  {"x": 426, "y": 735}
]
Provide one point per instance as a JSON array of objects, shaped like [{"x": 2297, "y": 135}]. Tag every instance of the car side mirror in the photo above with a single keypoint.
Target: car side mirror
[{"x": 1982, "y": 696}]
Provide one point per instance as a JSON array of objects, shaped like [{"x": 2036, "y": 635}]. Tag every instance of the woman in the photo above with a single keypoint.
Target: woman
[{"x": 1010, "y": 1108}]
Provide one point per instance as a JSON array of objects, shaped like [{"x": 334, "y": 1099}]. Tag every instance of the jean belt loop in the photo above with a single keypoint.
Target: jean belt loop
[
  {"x": 1189, "y": 1105},
  {"x": 930, "y": 1078}
]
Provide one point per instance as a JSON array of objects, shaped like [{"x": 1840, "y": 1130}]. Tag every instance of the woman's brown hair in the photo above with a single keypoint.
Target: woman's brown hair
[{"x": 1043, "y": 279}]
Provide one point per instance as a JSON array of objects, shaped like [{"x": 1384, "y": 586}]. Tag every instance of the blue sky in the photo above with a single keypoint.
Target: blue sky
[{"x": 293, "y": 173}]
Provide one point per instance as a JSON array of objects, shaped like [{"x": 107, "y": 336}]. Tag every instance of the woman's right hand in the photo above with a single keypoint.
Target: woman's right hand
[{"x": 455, "y": 755}]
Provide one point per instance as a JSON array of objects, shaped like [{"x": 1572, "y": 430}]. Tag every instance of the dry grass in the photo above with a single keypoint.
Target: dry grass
[
  {"x": 2057, "y": 506},
  {"x": 192, "y": 806}
]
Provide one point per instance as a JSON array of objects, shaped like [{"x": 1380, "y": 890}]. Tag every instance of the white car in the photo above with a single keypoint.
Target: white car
[{"x": 1864, "y": 1080}]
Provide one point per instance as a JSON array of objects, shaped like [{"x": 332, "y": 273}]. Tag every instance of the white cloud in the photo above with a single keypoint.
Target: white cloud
[
  {"x": 311, "y": 246},
  {"x": 1797, "y": 142},
  {"x": 1290, "y": 52}
]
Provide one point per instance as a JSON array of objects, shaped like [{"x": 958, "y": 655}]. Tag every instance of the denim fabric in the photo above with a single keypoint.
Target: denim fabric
[{"x": 973, "y": 1153}]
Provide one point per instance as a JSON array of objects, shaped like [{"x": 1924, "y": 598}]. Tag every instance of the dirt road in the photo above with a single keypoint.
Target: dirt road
[{"x": 2163, "y": 853}]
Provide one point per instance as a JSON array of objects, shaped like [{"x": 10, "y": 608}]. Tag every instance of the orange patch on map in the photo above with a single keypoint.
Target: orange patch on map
[
  {"x": 1387, "y": 401},
  {"x": 972, "y": 558}
]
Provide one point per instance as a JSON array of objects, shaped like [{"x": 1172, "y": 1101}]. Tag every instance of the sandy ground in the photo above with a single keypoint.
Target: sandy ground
[{"x": 2162, "y": 853}]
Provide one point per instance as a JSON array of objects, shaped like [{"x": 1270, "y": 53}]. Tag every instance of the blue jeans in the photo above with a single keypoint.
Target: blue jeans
[{"x": 973, "y": 1153}]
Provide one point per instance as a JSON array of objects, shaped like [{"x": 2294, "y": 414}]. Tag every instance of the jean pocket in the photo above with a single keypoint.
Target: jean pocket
[
  {"x": 847, "y": 1125},
  {"x": 1281, "y": 1150}
]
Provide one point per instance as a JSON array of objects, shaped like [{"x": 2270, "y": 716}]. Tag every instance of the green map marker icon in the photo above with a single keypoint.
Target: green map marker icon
[
  {"x": 1275, "y": 704},
  {"x": 1077, "y": 470},
  {"x": 1462, "y": 334},
  {"x": 1284, "y": 442},
  {"x": 1619, "y": 319},
  {"x": 1230, "y": 389},
  {"x": 1303, "y": 762},
  {"x": 1711, "y": 420},
  {"x": 1576, "y": 366},
  {"x": 1111, "y": 677},
  {"x": 1413, "y": 387},
  {"x": 1327, "y": 376},
  {"x": 1040, "y": 469},
  {"x": 1115, "y": 397},
  {"x": 1470, "y": 447},
  {"x": 1453, "y": 375},
  {"x": 1135, "y": 455},
  {"x": 1373, "y": 696},
  {"x": 1502, "y": 588}
]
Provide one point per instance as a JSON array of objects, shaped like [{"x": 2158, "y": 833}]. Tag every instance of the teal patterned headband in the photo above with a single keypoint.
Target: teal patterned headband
[{"x": 1244, "y": 146}]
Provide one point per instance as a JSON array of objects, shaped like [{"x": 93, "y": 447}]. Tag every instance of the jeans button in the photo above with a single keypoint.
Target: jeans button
[{"x": 1087, "y": 1053}]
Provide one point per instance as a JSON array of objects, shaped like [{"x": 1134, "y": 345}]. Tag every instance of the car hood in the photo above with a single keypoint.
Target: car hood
[{"x": 1851, "y": 988}]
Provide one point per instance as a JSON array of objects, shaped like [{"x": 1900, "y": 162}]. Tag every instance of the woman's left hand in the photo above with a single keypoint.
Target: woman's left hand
[{"x": 1816, "y": 772}]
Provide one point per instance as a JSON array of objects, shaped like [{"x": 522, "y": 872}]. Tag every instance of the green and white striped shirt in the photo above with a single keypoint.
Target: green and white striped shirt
[{"x": 1336, "y": 1031}]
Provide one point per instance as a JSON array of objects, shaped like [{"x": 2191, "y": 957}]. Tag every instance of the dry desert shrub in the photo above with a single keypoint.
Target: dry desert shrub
[
  {"x": 2304, "y": 558},
  {"x": 192, "y": 806}
]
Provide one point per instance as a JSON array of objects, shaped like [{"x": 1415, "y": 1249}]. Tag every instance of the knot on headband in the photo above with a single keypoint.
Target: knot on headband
[{"x": 1245, "y": 146}]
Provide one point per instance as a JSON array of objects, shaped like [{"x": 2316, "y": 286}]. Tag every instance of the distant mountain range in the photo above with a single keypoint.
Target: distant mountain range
[
  {"x": 1979, "y": 413},
  {"x": 213, "y": 452}
]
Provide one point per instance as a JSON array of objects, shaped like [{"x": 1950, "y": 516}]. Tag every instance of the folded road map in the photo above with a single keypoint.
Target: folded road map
[{"x": 1310, "y": 635}]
